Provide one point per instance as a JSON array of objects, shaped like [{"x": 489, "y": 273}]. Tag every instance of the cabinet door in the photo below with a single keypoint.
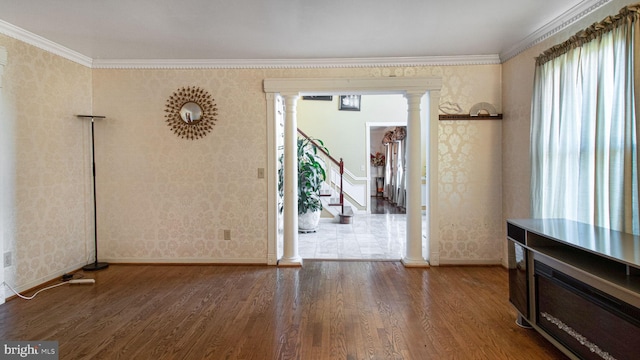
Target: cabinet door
[
  {"x": 590, "y": 323},
  {"x": 518, "y": 278}
]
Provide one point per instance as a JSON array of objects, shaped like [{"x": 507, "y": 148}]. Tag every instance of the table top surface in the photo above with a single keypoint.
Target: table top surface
[{"x": 609, "y": 243}]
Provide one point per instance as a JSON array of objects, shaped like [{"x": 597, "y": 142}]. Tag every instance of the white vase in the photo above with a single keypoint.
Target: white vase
[
  {"x": 308, "y": 222},
  {"x": 380, "y": 170}
]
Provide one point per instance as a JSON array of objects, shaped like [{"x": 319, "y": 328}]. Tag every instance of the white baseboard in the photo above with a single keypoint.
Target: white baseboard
[
  {"x": 261, "y": 261},
  {"x": 32, "y": 284},
  {"x": 462, "y": 262}
]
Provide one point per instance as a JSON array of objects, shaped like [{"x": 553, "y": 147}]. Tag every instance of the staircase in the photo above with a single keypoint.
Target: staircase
[
  {"x": 331, "y": 204},
  {"x": 332, "y": 195}
]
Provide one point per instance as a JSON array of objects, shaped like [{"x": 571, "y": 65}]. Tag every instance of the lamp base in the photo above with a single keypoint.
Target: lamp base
[{"x": 95, "y": 266}]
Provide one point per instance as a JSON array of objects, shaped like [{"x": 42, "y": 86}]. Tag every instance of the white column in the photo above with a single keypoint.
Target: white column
[
  {"x": 290, "y": 252},
  {"x": 413, "y": 256}
]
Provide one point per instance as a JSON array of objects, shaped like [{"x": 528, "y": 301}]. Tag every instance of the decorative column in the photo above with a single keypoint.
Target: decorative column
[
  {"x": 290, "y": 255},
  {"x": 413, "y": 256}
]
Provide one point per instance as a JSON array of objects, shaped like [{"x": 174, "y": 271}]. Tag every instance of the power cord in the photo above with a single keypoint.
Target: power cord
[
  {"x": 76, "y": 281},
  {"x": 37, "y": 292}
]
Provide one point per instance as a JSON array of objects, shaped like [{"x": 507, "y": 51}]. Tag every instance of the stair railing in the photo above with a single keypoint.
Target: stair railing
[{"x": 340, "y": 165}]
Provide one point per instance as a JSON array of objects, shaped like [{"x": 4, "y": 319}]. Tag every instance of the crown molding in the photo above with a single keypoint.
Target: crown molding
[
  {"x": 572, "y": 15},
  {"x": 44, "y": 44},
  {"x": 295, "y": 63},
  {"x": 50, "y": 46},
  {"x": 561, "y": 22}
]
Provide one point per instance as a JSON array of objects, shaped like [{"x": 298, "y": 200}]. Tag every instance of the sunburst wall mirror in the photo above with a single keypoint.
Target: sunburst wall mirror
[{"x": 191, "y": 112}]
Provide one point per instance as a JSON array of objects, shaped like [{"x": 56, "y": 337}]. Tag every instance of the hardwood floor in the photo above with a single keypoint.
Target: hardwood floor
[
  {"x": 380, "y": 205},
  {"x": 325, "y": 310}
]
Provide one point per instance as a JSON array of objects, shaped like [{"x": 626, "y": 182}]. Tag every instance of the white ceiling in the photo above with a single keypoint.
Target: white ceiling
[{"x": 285, "y": 29}]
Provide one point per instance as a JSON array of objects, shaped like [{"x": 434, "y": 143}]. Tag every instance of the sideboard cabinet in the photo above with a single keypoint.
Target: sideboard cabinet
[{"x": 578, "y": 285}]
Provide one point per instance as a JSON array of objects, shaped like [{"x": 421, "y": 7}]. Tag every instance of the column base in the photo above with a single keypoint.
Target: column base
[
  {"x": 294, "y": 262},
  {"x": 411, "y": 263}
]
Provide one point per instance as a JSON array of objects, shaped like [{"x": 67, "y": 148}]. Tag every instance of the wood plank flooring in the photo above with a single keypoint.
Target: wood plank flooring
[{"x": 325, "y": 310}]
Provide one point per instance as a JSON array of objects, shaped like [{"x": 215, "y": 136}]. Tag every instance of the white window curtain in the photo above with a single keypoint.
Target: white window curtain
[{"x": 584, "y": 129}]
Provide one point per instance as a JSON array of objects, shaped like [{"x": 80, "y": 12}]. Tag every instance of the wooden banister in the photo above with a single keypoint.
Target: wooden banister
[
  {"x": 340, "y": 165},
  {"x": 319, "y": 147}
]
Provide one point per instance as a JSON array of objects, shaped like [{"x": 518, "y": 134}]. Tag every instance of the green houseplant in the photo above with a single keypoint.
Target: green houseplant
[{"x": 311, "y": 175}]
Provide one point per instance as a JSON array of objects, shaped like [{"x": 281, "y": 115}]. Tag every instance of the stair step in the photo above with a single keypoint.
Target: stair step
[
  {"x": 346, "y": 216},
  {"x": 325, "y": 193}
]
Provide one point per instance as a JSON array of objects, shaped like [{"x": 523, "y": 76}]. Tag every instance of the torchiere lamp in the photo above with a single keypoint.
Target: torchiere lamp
[{"x": 95, "y": 265}]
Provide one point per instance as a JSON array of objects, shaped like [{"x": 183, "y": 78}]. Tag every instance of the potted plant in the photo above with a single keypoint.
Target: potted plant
[
  {"x": 311, "y": 175},
  {"x": 378, "y": 161}
]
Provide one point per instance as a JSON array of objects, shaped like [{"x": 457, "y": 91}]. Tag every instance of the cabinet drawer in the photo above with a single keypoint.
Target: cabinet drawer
[
  {"x": 516, "y": 233},
  {"x": 590, "y": 323},
  {"x": 518, "y": 278}
]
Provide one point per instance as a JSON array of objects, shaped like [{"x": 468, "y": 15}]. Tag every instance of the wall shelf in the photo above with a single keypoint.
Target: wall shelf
[{"x": 469, "y": 117}]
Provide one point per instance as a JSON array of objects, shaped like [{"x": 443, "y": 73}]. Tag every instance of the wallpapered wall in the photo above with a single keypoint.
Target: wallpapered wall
[
  {"x": 162, "y": 198},
  {"x": 166, "y": 199},
  {"x": 517, "y": 89},
  {"x": 44, "y": 154}
]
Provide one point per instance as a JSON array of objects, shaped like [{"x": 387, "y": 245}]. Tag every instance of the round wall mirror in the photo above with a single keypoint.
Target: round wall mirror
[{"x": 191, "y": 112}]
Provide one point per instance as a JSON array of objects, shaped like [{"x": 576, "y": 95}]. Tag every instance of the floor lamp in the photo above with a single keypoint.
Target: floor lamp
[{"x": 95, "y": 265}]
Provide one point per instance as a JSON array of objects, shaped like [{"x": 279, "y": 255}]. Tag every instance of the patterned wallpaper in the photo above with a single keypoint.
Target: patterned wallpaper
[
  {"x": 162, "y": 198},
  {"x": 470, "y": 175},
  {"x": 166, "y": 199},
  {"x": 470, "y": 191},
  {"x": 44, "y": 190}
]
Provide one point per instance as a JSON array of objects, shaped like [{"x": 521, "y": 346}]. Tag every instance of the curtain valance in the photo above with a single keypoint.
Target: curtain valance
[{"x": 627, "y": 14}]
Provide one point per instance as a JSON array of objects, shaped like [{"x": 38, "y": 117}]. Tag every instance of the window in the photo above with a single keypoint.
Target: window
[{"x": 584, "y": 152}]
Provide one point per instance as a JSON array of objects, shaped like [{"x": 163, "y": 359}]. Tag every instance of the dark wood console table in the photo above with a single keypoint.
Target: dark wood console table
[{"x": 578, "y": 285}]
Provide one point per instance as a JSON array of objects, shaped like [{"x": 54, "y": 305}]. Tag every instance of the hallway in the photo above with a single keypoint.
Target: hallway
[
  {"x": 380, "y": 205},
  {"x": 368, "y": 237}
]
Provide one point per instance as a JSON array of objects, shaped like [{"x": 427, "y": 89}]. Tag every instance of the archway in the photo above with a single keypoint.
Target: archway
[{"x": 414, "y": 89}]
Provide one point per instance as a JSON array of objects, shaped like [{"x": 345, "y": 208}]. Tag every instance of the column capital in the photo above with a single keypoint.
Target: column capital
[
  {"x": 290, "y": 95},
  {"x": 414, "y": 95}
]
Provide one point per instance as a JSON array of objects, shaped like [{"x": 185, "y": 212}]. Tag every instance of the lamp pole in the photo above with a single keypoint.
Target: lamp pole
[{"x": 95, "y": 265}]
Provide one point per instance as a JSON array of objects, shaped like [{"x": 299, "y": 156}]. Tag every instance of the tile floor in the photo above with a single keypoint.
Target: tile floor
[{"x": 368, "y": 237}]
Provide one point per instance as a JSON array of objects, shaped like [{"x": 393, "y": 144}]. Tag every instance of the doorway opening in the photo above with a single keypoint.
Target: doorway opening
[
  {"x": 355, "y": 136},
  {"x": 282, "y": 98},
  {"x": 386, "y": 143}
]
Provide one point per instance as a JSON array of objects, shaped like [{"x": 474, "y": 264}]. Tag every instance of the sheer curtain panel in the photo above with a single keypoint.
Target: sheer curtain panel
[{"x": 584, "y": 132}]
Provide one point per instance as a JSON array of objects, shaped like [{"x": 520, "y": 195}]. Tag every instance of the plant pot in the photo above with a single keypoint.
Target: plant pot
[{"x": 308, "y": 222}]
